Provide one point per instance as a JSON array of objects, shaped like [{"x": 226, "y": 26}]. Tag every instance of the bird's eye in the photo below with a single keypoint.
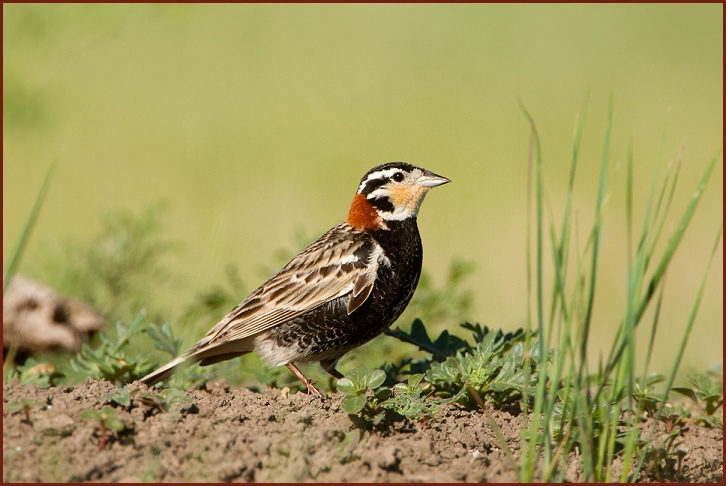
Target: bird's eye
[{"x": 398, "y": 177}]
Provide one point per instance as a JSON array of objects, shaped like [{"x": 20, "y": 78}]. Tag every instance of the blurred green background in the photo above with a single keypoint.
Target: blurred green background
[{"x": 254, "y": 122}]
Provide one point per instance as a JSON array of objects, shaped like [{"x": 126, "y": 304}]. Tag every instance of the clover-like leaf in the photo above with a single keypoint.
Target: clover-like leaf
[
  {"x": 91, "y": 415},
  {"x": 346, "y": 385},
  {"x": 115, "y": 424},
  {"x": 352, "y": 404},
  {"x": 373, "y": 379},
  {"x": 357, "y": 375}
]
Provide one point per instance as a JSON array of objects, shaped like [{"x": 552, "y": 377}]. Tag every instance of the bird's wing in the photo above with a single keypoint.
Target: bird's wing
[{"x": 340, "y": 262}]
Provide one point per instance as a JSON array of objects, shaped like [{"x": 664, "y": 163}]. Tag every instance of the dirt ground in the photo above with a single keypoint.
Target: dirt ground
[{"x": 241, "y": 435}]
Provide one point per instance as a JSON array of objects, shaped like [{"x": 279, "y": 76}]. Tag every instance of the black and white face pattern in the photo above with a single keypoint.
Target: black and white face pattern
[{"x": 397, "y": 189}]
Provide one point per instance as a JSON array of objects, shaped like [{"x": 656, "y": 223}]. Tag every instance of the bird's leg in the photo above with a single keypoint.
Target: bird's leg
[
  {"x": 329, "y": 366},
  {"x": 307, "y": 381}
]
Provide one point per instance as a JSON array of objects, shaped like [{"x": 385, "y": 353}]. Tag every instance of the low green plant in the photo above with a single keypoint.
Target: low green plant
[
  {"x": 114, "y": 359},
  {"x": 663, "y": 459},
  {"x": 35, "y": 372},
  {"x": 367, "y": 402},
  {"x": 106, "y": 422},
  {"x": 407, "y": 400},
  {"x": 673, "y": 415},
  {"x": 365, "y": 411},
  {"x": 706, "y": 392},
  {"x": 166, "y": 400},
  {"x": 120, "y": 396},
  {"x": 25, "y": 405},
  {"x": 492, "y": 365},
  {"x": 495, "y": 369},
  {"x": 163, "y": 338},
  {"x": 646, "y": 399},
  {"x": 364, "y": 395}
]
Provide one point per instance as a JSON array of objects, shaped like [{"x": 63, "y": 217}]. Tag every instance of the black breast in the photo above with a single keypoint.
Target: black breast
[{"x": 328, "y": 332}]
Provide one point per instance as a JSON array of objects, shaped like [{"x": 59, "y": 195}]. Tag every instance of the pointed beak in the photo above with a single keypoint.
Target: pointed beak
[{"x": 429, "y": 179}]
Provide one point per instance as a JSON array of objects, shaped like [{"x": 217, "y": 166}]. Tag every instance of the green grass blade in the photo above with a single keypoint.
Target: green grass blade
[
  {"x": 534, "y": 177},
  {"x": 691, "y": 319},
  {"x": 677, "y": 236},
  {"x": 20, "y": 245},
  {"x": 665, "y": 259},
  {"x": 651, "y": 342},
  {"x": 668, "y": 201},
  {"x": 562, "y": 250},
  {"x": 596, "y": 242}
]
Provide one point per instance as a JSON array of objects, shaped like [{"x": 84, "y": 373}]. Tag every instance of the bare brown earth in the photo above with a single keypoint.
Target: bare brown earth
[{"x": 241, "y": 435}]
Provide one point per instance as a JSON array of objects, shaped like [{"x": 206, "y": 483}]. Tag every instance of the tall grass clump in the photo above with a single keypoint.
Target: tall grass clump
[{"x": 598, "y": 410}]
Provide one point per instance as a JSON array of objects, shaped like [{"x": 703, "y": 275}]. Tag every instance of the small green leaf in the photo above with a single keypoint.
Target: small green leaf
[
  {"x": 382, "y": 394},
  {"x": 115, "y": 424},
  {"x": 90, "y": 415},
  {"x": 163, "y": 338},
  {"x": 352, "y": 404},
  {"x": 121, "y": 397},
  {"x": 373, "y": 379},
  {"x": 415, "y": 380},
  {"x": 346, "y": 386},
  {"x": 171, "y": 395},
  {"x": 357, "y": 376},
  {"x": 446, "y": 372},
  {"x": 108, "y": 413},
  {"x": 684, "y": 390},
  {"x": 654, "y": 378}
]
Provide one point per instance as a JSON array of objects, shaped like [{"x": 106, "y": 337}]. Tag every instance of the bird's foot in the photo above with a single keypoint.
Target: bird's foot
[
  {"x": 307, "y": 381},
  {"x": 311, "y": 389}
]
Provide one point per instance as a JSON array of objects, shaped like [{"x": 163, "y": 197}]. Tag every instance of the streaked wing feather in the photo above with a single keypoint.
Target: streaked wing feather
[
  {"x": 329, "y": 268},
  {"x": 361, "y": 290}
]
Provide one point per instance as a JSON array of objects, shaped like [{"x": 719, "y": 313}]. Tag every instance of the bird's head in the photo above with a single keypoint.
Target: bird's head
[{"x": 391, "y": 192}]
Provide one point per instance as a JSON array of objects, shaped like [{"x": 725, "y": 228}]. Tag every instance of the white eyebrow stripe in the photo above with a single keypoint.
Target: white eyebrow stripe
[{"x": 380, "y": 174}]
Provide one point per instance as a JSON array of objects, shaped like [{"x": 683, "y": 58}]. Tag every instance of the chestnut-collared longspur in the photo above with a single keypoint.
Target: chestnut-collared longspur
[{"x": 343, "y": 290}]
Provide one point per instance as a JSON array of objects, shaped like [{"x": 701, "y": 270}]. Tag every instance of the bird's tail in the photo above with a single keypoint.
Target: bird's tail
[
  {"x": 165, "y": 371},
  {"x": 204, "y": 355}
]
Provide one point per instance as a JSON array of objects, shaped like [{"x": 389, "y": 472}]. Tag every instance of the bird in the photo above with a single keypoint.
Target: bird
[{"x": 341, "y": 291}]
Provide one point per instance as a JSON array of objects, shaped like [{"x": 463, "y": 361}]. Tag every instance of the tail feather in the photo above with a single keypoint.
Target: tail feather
[
  {"x": 206, "y": 356},
  {"x": 165, "y": 371}
]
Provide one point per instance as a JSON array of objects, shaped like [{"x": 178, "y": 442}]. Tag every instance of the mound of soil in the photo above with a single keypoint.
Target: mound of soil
[{"x": 239, "y": 435}]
